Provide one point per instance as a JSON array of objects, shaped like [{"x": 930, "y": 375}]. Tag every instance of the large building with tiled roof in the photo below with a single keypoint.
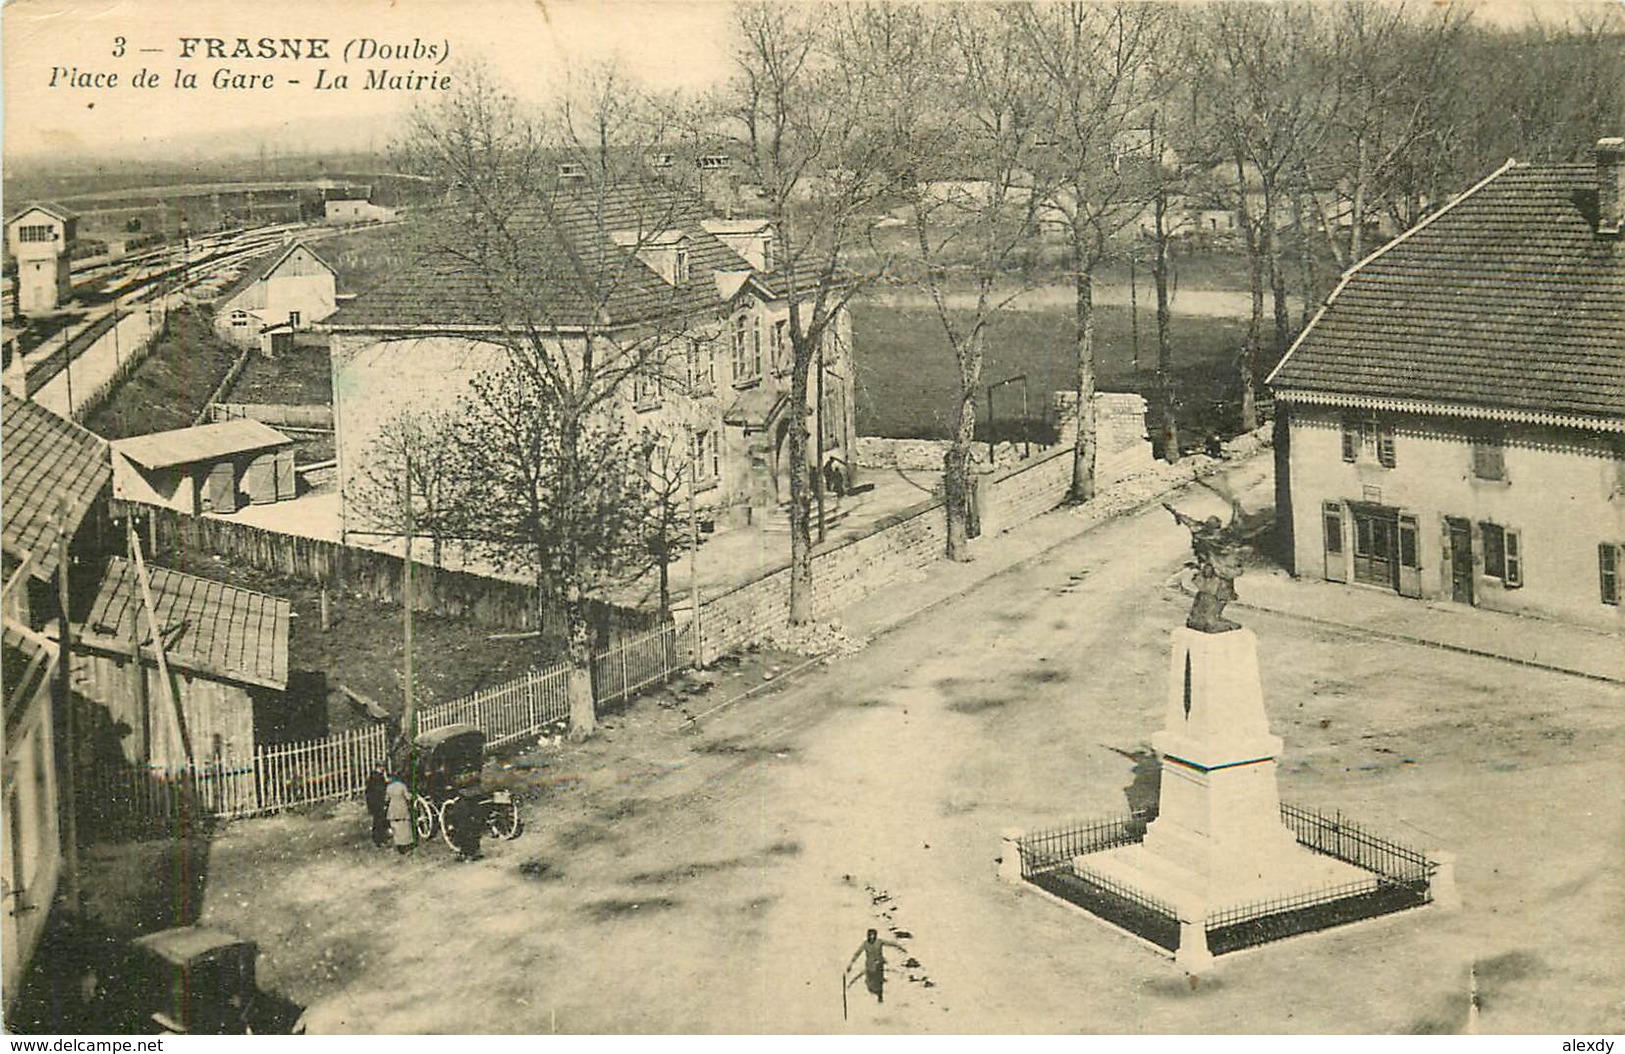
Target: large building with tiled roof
[
  {"x": 644, "y": 263},
  {"x": 1454, "y": 417}
]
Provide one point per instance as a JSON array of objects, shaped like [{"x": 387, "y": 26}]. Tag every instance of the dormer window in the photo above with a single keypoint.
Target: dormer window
[
  {"x": 714, "y": 161},
  {"x": 664, "y": 252},
  {"x": 660, "y": 161},
  {"x": 572, "y": 173},
  {"x": 680, "y": 265}
]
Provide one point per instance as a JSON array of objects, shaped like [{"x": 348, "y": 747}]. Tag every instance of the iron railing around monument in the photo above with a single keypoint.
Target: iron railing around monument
[
  {"x": 1052, "y": 847},
  {"x": 1398, "y": 878},
  {"x": 1048, "y": 861}
]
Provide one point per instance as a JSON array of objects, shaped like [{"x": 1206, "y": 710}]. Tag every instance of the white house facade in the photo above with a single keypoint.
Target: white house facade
[
  {"x": 1453, "y": 421},
  {"x": 284, "y": 293}
]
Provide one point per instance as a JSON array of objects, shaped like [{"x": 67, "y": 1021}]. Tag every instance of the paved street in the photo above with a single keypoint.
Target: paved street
[{"x": 756, "y": 848}]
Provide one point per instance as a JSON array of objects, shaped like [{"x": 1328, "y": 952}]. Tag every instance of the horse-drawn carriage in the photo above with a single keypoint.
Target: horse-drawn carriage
[{"x": 443, "y": 769}]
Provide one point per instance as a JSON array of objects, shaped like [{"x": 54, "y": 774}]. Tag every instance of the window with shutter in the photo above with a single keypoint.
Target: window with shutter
[
  {"x": 1385, "y": 446},
  {"x": 1494, "y": 539},
  {"x": 1489, "y": 459},
  {"x": 1608, "y": 557},
  {"x": 1503, "y": 554},
  {"x": 1351, "y": 440}
]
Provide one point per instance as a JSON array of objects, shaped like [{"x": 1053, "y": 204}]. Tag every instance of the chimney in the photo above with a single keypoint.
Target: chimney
[{"x": 1610, "y": 186}]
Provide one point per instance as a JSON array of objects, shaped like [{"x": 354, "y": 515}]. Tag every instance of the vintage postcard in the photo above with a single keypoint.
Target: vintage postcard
[{"x": 824, "y": 519}]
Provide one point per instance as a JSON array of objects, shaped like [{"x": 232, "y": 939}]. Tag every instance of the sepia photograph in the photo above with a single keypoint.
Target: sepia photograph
[{"x": 867, "y": 518}]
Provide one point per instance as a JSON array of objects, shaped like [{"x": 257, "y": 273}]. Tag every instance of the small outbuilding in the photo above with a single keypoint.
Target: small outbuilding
[
  {"x": 207, "y": 468},
  {"x": 292, "y": 288},
  {"x": 226, "y": 650}
]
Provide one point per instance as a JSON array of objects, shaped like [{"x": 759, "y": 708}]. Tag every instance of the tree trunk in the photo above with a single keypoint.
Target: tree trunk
[
  {"x": 956, "y": 476},
  {"x": 1083, "y": 444},
  {"x": 1255, "y": 323},
  {"x": 1357, "y": 210},
  {"x": 1277, "y": 269},
  {"x": 1168, "y": 432},
  {"x": 578, "y": 680},
  {"x": 800, "y": 498},
  {"x": 577, "y": 632}
]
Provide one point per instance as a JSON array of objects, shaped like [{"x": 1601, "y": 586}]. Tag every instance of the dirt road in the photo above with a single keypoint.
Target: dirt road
[{"x": 682, "y": 879}]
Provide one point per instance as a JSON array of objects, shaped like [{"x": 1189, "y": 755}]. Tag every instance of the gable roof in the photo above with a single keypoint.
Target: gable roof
[
  {"x": 561, "y": 246},
  {"x": 262, "y": 267},
  {"x": 45, "y": 461},
  {"x": 66, "y": 215},
  {"x": 209, "y": 627},
  {"x": 1504, "y": 303}
]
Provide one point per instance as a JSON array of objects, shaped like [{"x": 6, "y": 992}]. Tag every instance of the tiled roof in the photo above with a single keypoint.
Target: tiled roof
[
  {"x": 563, "y": 247},
  {"x": 183, "y": 446},
  {"x": 45, "y": 461},
  {"x": 209, "y": 627},
  {"x": 262, "y": 266},
  {"x": 1506, "y": 300}
]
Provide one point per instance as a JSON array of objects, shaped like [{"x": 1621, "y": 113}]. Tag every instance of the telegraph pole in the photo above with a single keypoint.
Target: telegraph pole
[{"x": 409, "y": 715}]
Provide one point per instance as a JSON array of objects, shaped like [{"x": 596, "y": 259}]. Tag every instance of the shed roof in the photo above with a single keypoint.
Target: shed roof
[
  {"x": 48, "y": 465},
  {"x": 210, "y": 628},
  {"x": 185, "y": 446},
  {"x": 1505, "y": 302}
]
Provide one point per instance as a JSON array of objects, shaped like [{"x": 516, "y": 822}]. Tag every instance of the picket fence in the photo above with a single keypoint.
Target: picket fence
[{"x": 127, "y": 800}]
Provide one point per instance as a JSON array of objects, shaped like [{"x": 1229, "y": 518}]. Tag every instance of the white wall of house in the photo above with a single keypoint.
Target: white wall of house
[
  {"x": 1563, "y": 494},
  {"x": 377, "y": 378},
  {"x": 301, "y": 290},
  {"x": 32, "y": 845}
]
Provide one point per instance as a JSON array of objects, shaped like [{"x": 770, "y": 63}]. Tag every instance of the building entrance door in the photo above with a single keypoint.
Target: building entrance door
[
  {"x": 1461, "y": 559},
  {"x": 1376, "y": 556}
]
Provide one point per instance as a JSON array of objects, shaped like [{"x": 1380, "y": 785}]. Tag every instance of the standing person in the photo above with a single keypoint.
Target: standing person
[
  {"x": 874, "y": 964},
  {"x": 398, "y": 806},
  {"x": 464, "y": 818},
  {"x": 377, "y": 805}
]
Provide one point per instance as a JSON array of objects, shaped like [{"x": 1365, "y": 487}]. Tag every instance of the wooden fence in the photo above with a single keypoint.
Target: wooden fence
[
  {"x": 313, "y": 417},
  {"x": 493, "y": 602},
  {"x": 129, "y": 800}
]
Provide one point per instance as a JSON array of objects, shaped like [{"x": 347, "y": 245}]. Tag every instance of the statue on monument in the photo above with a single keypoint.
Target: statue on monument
[{"x": 1218, "y": 564}]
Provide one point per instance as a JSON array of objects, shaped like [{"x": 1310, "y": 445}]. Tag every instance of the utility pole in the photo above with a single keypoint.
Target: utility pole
[
  {"x": 70, "y": 724},
  {"x": 818, "y": 474},
  {"x": 694, "y": 543},
  {"x": 409, "y": 715}
]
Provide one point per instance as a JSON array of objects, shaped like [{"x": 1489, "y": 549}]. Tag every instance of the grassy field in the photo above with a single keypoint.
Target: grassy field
[
  {"x": 171, "y": 385},
  {"x": 906, "y": 378},
  {"x": 298, "y": 377}
]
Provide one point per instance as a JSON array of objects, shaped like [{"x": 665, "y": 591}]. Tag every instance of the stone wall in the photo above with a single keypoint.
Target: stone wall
[{"x": 901, "y": 547}]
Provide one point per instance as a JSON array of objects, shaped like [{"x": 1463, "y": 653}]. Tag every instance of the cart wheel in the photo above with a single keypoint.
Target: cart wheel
[
  {"x": 445, "y": 828},
  {"x": 423, "y": 817},
  {"x": 502, "y": 820}
]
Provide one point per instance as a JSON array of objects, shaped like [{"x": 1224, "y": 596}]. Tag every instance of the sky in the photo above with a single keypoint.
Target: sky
[{"x": 531, "y": 45}]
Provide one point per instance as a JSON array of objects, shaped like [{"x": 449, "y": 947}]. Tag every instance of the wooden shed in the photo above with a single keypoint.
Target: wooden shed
[
  {"x": 208, "y": 468},
  {"x": 227, "y": 653}
]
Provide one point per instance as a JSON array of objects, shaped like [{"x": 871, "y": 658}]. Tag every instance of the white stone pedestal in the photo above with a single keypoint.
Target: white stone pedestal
[{"x": 1218, "y": 840}]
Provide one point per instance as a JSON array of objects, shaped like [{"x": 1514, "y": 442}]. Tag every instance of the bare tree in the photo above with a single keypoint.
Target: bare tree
[
  {"x": 975, "y": 226},
  {"x": 542, "y": 244},
  {"x": 411, "y": 479},
  {"x": 1098, "y": 80},
  {"x": 1267, "y": 106},
  {"x": 805, "y": 111}
]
